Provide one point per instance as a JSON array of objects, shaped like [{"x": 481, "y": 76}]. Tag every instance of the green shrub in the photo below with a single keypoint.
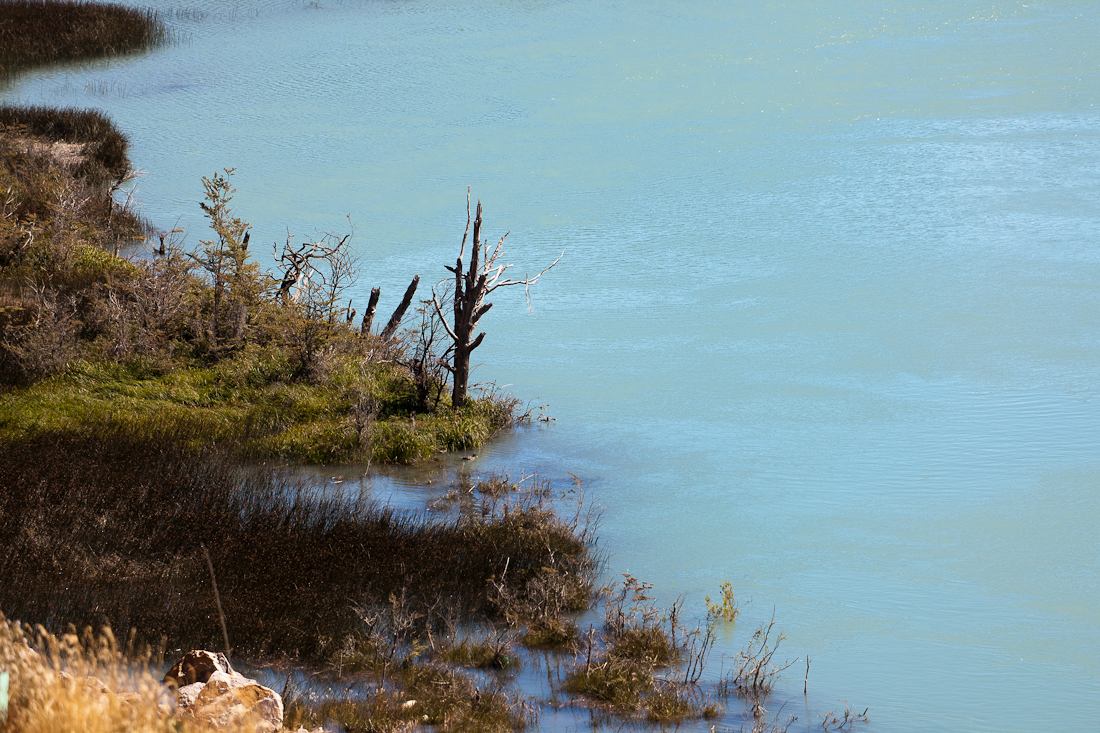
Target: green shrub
[{"x": 92, "y": 264}]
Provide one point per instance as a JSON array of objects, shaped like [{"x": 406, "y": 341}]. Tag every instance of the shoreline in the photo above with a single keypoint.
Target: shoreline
[{"x": 623, "y": 669}]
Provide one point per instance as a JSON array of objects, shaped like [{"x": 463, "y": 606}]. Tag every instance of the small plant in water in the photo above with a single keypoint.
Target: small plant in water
[
  {"x": 727, "y": 609},
  {"x": 834, "y": 721},
  {"x": 755, "y": 674}
]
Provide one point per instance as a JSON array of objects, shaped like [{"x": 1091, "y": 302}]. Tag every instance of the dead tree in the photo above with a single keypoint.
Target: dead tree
[
  {"x": 368, "y": 317},
  {"x": 315, "y": 274},
  {"x": 471, "y": 286},
  {"x": 395, "y": 319}
]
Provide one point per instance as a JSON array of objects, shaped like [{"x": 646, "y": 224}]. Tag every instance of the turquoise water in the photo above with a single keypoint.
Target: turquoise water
[{"x": 827, "y": 322}]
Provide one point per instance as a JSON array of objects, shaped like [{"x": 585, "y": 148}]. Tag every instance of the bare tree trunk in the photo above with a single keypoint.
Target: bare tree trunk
[
  {"x": 372, "y": 306},
  {"x": 395, "y": 319},
  {"x": 461, "y": 376},
  {"x": 464, "y": 346}
]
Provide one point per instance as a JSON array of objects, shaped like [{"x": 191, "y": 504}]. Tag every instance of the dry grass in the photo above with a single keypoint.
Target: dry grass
[
  {"x": 86, "y": 683},
  {"x": 92, "y": 146}
]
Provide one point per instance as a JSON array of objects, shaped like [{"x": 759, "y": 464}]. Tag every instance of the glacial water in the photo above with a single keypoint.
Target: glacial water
[{"x": 827, "y": 321}]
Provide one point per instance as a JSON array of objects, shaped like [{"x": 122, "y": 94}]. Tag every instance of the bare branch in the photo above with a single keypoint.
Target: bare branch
[
  {"x": 439, "y": 312},
  {"x": 462, "y": 249},
  {"x": 527, "y": 282}
]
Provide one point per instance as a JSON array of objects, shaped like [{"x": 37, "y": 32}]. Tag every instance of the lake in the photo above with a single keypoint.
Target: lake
[{"x": 828, "y": 320}]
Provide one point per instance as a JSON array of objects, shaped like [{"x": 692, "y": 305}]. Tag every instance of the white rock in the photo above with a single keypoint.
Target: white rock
[{"x": 209, "y": 690}]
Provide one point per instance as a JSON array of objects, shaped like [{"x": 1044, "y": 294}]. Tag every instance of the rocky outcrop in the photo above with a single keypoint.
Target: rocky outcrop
[
  {"x": 197, "y": 666},
  {"x": 212, "y": 693}
]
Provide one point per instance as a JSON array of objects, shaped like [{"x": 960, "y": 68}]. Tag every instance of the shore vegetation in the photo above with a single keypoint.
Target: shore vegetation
[
  {"x": 38, "y": 32},
  {"x": 90, "y": 340}
]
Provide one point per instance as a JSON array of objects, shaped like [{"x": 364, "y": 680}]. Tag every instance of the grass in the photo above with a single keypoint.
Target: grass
[
  {"x": 35, "y": 32},
  {"x": 85, "y": 683},
  {"x": 618, "y": 667},
  {"x": 109, "y": 527},
  {"x": 103, "y": 148},
  {"x": 481, "y": 651},
  {"x": 250, "y": 404},
  {"x": 421, "y": 695},
  {"x": 551, "y": 632}
]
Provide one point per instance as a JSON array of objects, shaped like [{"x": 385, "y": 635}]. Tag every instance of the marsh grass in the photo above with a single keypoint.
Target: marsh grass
[
  {"x": 551, "y": 632},
  {"x": 37, "y": 32},
  {"x": 109, "y": 527},
  {"x": 643, "y": 662},
  {"x": 483, "y": 650},
  {"x": 450, "y": 699},
  {"x": 418, "y": 695},
  {"x": 669, "y": 702},
  {"x": 102, "y": 155}
]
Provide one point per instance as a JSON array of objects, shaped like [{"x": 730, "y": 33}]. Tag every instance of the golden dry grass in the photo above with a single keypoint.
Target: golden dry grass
[{"x": 87, "y": 684}]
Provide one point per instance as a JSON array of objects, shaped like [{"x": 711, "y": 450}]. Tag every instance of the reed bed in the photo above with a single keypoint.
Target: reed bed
[
  {"x": 36, "y": 32},
  {"x": 110, "y": 528}
]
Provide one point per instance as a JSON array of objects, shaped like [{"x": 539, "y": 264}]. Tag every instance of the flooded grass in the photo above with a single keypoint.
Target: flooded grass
[{"x": 110, "y": 528}]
